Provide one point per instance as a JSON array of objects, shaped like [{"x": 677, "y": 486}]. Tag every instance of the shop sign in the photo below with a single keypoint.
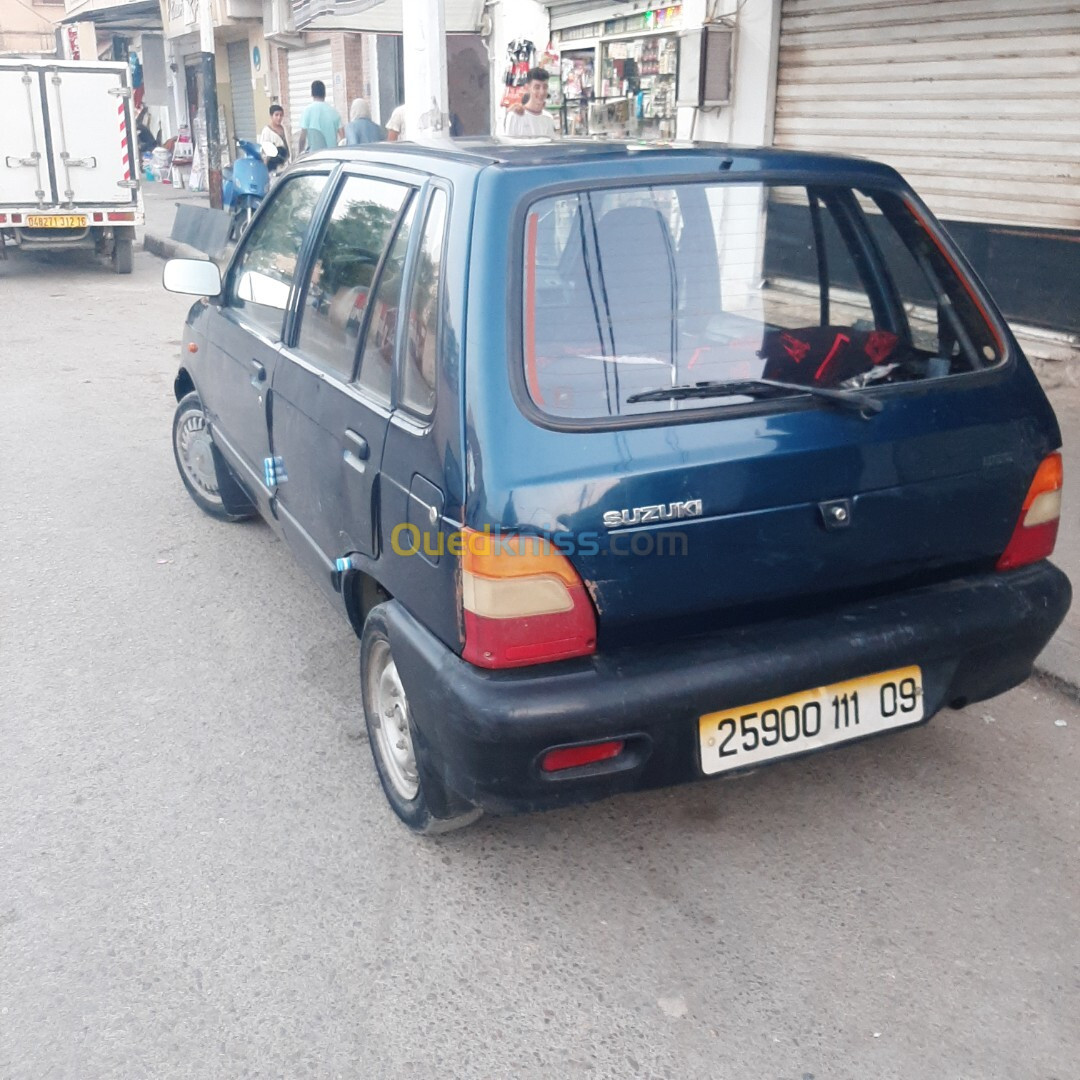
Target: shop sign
[
  {"x": 655, "y": 19},
  {"x": 661, "y": 18}
]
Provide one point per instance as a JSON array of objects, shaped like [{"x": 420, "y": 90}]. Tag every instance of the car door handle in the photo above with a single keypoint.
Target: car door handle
[
  {"x": 258, "y": 373},
  {"x": 357, "y": 444}
]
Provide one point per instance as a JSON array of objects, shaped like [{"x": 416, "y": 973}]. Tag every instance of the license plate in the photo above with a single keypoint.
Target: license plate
[
  {"x": 780, "y": 727},
  {"x": 56, "y": 221}
]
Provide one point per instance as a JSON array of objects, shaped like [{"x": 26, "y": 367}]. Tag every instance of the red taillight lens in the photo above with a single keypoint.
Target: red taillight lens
[
  {"x": 570, "y": 757},
  {"x": 1036, "y": 531},
  {"x": 524, "y": 602}
]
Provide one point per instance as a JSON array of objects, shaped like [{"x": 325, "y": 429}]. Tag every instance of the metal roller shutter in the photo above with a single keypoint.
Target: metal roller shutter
[
  {"x": 975, "y": 101},
  {"x": 305, "y": 66},
  {"x": 240, "y": 89}
]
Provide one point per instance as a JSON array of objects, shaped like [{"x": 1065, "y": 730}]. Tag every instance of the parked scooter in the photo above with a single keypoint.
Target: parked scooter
[{"x": 245, "y": 185}]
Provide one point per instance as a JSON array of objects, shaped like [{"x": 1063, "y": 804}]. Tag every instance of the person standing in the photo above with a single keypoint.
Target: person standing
[
  {"x": 395, "y": 126},
  {"x": 274, "y": 133},
  {"x": 361, "y": 128},
  {"x": 320, "y": 125},
  {"x": 529, "y": 121}
]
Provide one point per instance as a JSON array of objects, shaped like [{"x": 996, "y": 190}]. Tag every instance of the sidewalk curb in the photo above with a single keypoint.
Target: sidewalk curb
[
  {"x": 1059, "y": 664},
  {"x": 1065, "y": 687},
  {"x": 167, "y": 248}
]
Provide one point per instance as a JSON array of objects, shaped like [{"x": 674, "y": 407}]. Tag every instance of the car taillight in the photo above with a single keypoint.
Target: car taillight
[
  {"x": 524, "y": 602},
  {"x": 1036, "y": 531}
]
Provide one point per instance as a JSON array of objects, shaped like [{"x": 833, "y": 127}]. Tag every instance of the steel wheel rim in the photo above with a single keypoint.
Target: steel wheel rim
[
  {"x": 390, "y": 723},
  {"x": 194, "y": 449}
]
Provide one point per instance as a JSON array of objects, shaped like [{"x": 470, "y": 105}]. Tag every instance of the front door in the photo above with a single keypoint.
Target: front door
[
  {"x": 244, "y": 331},
  {"x": 328, "y": 421}
]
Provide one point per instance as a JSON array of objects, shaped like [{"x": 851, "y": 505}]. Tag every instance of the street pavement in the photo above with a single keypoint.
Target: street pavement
[{"x": 199, "y": 876}]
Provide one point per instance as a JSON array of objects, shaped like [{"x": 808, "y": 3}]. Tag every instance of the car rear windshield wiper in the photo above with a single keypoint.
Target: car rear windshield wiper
[{"x": 855, "y": 400}]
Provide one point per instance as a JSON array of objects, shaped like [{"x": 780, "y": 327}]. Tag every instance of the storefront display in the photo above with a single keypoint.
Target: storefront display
[
  {"x": 578, "y": 74},
  {"x": 643, "y": 71},
  {"x": 624, "y": 85}
]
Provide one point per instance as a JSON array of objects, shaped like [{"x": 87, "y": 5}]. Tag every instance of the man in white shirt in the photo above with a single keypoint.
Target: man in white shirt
[
  {"x": 530, "y": 121},
  {"x": 395, "y": 126}
]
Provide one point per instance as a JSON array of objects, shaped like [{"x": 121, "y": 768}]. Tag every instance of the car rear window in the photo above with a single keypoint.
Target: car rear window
[{"x": 628, "y": 291}]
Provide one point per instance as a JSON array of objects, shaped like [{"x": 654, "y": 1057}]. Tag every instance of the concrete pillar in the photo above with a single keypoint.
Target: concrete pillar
[{"x": 426, "y": 94}]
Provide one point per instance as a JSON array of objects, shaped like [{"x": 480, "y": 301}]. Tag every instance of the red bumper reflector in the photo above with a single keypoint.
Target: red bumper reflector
[
  {"x": 98, "y": 217},
  {"x": 16, "y": 219},
  {"x": 116, "y": 216},
  {"x": 3, "y": 218},
  {"x": 570, "y": 757}
]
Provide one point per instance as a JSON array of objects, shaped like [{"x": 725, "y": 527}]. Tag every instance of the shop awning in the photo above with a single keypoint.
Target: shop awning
[
  {"x": 134, "y": 16},
  {"x": 379, "y": 16}
]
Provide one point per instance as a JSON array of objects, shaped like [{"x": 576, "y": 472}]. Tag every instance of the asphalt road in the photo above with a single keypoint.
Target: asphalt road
[{"x": 199, "y": 877}]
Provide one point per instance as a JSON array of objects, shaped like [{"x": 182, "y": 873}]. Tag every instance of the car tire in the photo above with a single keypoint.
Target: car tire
[
  {"x": 418, "y": 798},
  {"x": 194, "y": 454},
  {"x": 123, "y": 255}
]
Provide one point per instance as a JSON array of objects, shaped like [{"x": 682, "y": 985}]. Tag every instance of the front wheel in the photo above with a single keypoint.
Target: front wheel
[
  {"x": 414, "y": 795},
  {"x": 242, "y": 215},
  {"x": 193, "y": 449}
]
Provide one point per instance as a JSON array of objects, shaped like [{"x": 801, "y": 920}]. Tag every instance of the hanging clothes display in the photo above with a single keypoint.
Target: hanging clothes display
[{"x": 521, "y": 56}]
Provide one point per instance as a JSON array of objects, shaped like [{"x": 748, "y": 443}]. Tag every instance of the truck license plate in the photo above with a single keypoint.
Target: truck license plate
[
  {"x": 56, "y": 221},
  {"x": 766, "y": 730}
]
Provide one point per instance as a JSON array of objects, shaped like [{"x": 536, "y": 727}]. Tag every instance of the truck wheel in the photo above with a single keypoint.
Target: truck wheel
[
  {"x": 411, "y": 791},
  {"x": 194, "y": 452},
  {"x": 123, "y": 256}
]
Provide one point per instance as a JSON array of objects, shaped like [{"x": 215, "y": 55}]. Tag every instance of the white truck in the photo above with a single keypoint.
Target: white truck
[{"x": 69, "y": 162}]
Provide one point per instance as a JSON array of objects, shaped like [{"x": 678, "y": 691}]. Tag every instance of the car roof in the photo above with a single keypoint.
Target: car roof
[{"x": 481, "y": 152}]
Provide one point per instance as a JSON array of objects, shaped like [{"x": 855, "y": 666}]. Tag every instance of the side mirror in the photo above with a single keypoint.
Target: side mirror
[{"x": 192, "y": 276}]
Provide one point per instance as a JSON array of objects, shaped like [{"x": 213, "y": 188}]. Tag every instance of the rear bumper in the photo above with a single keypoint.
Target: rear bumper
[{"x": 482, "y": 732}]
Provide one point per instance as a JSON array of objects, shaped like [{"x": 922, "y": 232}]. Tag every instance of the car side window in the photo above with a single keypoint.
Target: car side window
[
  {"x": 263, "y": 273},
  {"x": 352, "y": 246},
  {"x": 422, "y": 327},
  {"x": 377, "y": 360}
]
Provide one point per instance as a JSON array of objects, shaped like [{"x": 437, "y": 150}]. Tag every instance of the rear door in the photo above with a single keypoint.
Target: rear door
[
  {"x": 244, "y": 331},
  {"x": 93, "y": 149},
  {"x": 328, "y": 427},
  {"x": 24, "y": 163},
  {"x": 682, "y": 498}
]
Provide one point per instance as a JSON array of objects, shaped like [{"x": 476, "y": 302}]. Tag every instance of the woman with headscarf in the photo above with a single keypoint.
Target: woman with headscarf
[{"x": 361, "y": 128}]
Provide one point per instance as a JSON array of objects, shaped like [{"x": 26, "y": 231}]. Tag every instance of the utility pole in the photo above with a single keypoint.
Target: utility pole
[
  {"x": 427, "y": 113},
  {"x": 210, "y": 101}
]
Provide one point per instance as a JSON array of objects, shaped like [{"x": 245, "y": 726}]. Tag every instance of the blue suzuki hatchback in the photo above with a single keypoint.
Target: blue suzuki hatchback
[{"x": 629, "y": 466}]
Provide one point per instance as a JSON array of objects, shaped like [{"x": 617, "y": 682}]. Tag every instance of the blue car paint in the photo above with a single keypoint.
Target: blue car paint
[
  {"x": 935, "y": 480},
  {"x": 924, "y": 498}
]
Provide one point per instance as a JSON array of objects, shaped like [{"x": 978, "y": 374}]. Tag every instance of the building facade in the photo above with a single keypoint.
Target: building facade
[{"x": 28, "y": 27}]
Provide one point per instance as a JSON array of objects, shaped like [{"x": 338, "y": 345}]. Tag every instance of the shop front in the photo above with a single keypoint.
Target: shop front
[{"x": 617, "y": 77}]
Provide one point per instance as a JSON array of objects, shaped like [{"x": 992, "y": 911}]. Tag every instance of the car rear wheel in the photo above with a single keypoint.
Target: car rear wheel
[
  {"x": 123, "y": 256},
  {"x": 414, "y": 795},
  {"x": 193, "y": 449}
]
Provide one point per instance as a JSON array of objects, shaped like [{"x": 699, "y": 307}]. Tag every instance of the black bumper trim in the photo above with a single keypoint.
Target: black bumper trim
[{"x": 481, "y": 731}]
